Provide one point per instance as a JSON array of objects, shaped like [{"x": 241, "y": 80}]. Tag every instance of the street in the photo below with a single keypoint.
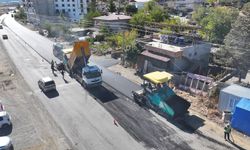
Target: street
[{"x": 85, "y": 118}]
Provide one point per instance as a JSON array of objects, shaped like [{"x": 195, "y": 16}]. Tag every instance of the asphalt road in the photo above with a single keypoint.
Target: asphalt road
[{"x": 86, "y": 123}]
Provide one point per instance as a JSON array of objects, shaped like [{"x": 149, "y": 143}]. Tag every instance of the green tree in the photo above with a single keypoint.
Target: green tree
[
  {"x": 140, "y": 18},
  {"x": 216, "y": 22},
  {"x": 236, "y": 51},
  {"x": 150, "y": 12},
  {"x": 199, "y": 14},
  {"x": 131, "y": 9},
  {"x": 21, "y": 15},
  {"x": 112, "y": 7},
  {"x": 104, "y": 30},
  {"x": 87, "y": 21},
  {"x": 172, "y": 22},
  {"x": 158, "y": 14}
]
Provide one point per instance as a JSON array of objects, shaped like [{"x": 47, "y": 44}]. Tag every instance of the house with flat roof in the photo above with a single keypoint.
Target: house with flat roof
[
  {"x": 114, "y": 22},
  {"x": 174, "y": 56}
]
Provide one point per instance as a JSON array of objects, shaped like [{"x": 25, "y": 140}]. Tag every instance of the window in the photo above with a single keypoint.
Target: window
[
  {"x": 62, "y": 5},
  {"x": 73, "y": 0},
  {"x": 68, "y": 0},
  {"x": 56, "y": 5},
  {"x": 62, "y": 0},
  {"x": 68, "y": 10},
  {"x": 73, "y": 5},
  {"x": 74, "y": 10},
  {"x": 56, "y": 0},
  {"x": 68, "y": 5},
  {"x": 1, "y": 118}
]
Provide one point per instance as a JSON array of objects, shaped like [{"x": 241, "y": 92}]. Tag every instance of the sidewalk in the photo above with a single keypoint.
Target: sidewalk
[{"x": 207, "y": 129}]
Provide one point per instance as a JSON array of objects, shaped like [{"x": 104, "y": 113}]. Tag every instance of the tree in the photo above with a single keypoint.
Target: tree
[
  {"x": 21, "y": 14},
  {"x": 104, "y": 30},
  {"x": 199, "y": 14},
  {"x": 87, "y": 21},
  {"x": 216, "y": 22},
  {"x": 150, "y": 12},
  {"x": 112, "y": 7},
  {"x": 140, "y": 19},
  {"x": 157, "y": 13},
  {"x": 131, "y": 9},
  {"x": 236, "y": 51}
]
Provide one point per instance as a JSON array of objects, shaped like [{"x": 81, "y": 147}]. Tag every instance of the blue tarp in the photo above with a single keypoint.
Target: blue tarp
[{"x": 241, "y": 117}]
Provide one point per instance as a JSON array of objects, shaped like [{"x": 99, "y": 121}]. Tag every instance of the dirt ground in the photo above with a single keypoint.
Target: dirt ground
[
  {"x": 33, "y": 128},
  {"x": 203, "y": 107}
]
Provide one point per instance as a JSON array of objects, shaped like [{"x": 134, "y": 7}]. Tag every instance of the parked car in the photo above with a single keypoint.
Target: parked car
[
  {"x": 5, "y": 119},
  {"x": 1, "y": 26},
  {"x": 1, "y": 107},
  {"x": 6, "y": 143},
  {"x": 47, "y": 84},
  {"x": 5, "y": 37}
]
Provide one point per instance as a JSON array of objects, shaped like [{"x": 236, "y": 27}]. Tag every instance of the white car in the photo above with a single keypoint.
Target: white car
[
  {"x": 5, "y": 143},
  {"x": 47, "y": 84},
  {"x": 5, "y": 119}
]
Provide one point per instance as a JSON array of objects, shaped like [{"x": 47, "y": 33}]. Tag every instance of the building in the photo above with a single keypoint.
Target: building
[
  {"x": 231, "y": 95},
  {"x": 74, "y": 9},
  {"x": 113, "y": 22},
  {"x": 175, "y": 56},
  {"x": 40, "y": 7},
  {"x": 139, "y": 4},
  {"x": 184, "y": 5}
]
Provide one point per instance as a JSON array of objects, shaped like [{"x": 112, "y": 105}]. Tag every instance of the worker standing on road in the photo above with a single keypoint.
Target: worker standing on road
[
  {"x": 62, "y": 73},
  {"x": 52, "y": 66},
  {"x": 227, "y": 131}
]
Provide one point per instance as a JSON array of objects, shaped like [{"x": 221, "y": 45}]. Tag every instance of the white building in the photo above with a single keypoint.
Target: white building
[
  {"x": 139, "y": 4},
  {"x": 184, "y": 4},
  {"x": 74, "y": 9}
]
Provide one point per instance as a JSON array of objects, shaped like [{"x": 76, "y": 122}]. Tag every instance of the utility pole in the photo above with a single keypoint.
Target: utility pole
[{"x": 123, "y": 47}]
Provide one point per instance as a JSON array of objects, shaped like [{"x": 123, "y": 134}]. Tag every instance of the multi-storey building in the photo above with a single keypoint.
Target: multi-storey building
[
  {"x": 41, "y": 7},
  {"x": 74, "y": 9},
  {"x": 183, "y": 4}
]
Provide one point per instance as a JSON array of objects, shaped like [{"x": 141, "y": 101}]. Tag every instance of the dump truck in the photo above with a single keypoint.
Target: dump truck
[
  {"x": 75, "y": 62},
  {"x": 158, "y": 96}
]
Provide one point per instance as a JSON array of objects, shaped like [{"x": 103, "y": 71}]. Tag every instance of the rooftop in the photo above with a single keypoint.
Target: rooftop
[
  {"x": 164, "y": 46},
  {"x": 47, "y": 79},
  {"x": 142, "y": 1},
  {"x": 113, "y": 17},
  {"x": 238, "y": 90}
]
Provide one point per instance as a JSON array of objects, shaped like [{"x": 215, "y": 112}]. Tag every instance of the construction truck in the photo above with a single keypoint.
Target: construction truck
[
  {"x": 75, "y": 62},
  {"x": 157, "y": 95}
]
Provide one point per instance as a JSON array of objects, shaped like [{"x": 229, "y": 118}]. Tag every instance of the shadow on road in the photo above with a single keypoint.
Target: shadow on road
[
  {"x": 52, "y": 94},
  {"x": 6, "y": 131},
  {"x": 237, "y": 146},
  {"x": 103, "y": 94}
]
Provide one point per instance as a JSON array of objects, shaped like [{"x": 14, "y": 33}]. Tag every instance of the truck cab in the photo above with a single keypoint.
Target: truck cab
[{"x": 91, "y": 76}]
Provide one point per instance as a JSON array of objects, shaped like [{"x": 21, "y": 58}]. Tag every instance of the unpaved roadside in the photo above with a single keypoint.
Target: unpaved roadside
[{"x": 33, "y": 127}]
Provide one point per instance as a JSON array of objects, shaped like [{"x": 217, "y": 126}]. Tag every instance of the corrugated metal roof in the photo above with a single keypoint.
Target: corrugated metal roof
[
  {"x": 158, "y": 57},
  {"x": 237, "y": 90}
]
